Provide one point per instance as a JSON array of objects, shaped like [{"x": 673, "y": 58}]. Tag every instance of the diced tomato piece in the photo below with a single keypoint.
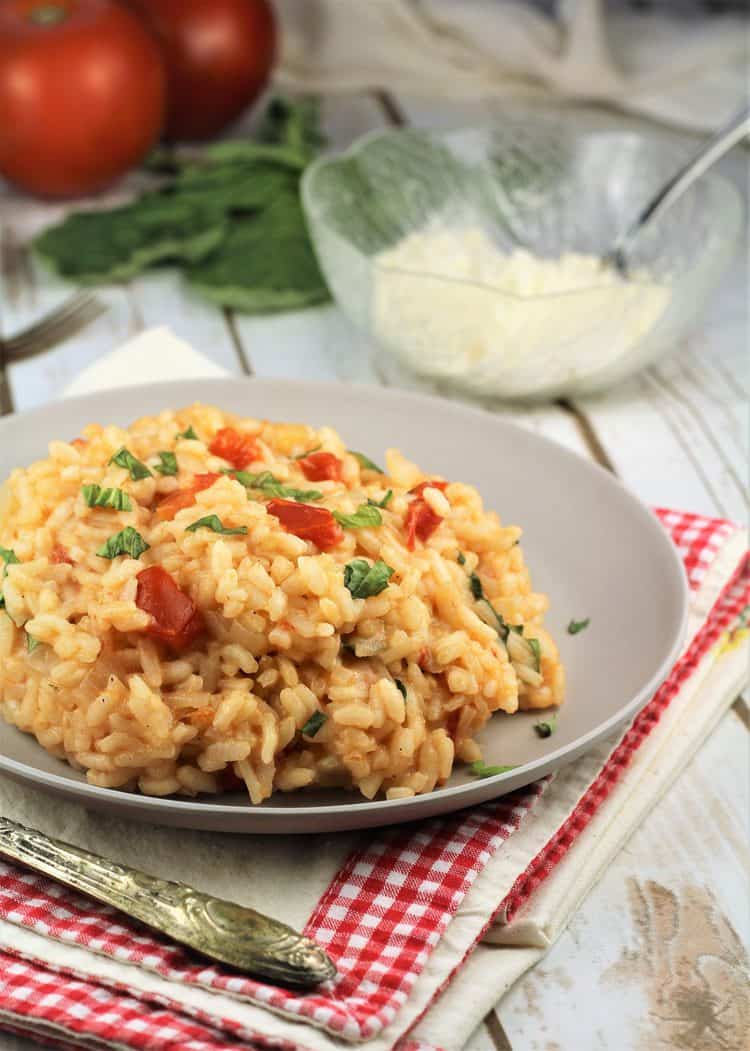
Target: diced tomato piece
[
  {"x": 421, "y": 522},
  {"x": 433, "y": 483},
  {"x": 79, "y": 442},
  {"x": 316, "y": 524},
  {"x": 175, "y": 619},
  {"x": 60, "y": 555},
  {"x": 239, "y": 449},
  {"x": 321, "y": 467},
  {"x": 181, "y": 498}
]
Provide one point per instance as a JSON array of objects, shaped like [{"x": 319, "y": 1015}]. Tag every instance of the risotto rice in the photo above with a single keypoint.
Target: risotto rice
[{"x": 203, "y": 602}]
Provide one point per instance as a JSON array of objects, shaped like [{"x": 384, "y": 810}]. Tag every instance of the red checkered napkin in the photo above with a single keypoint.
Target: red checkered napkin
[{"x": 381, "y": 919}]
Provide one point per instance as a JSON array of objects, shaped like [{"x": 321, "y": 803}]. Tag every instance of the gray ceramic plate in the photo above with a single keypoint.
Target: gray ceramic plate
[{"x": 590, "y": 544}]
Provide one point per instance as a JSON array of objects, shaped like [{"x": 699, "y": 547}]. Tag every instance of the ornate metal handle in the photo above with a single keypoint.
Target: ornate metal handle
[{"x": 220, "y": 929}]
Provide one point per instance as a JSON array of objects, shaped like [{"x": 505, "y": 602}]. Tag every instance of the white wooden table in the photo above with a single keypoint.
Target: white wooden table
[{"x": 677, "y": 435}]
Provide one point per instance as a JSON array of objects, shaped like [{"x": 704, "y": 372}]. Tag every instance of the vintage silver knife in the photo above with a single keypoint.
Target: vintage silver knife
[{"x": 221, "y": 930}]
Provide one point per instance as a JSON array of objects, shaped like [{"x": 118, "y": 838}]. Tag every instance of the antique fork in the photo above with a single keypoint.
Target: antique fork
[
  {"x": 59, "y": 324},
  {"x": 219, "y": 929}
]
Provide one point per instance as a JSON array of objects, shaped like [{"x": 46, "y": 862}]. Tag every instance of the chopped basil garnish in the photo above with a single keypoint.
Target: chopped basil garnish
[
  {"x": 363, "y": 518},
  {"x": 31, "y": 643},
  {"x": 546, "y": 727},
  {"x": 578, "y": 625},
  {"x": 124, "y": 458},
  {"x": 10, "y": 559},
  {"x": 384, "y": 502},
  {"x": 95, "y": 496},
  {"x": 364, "y": 580},
  {"x": 475, "y": 584},
  {"x": 314, "y": 723},
  {"x": 301, "y": 456},
  {"x": 366, "y": 462},
  {"x": 189, "y": 434},
  {"x": 167, "y": 464},
  {"x": 127, "y": 542},
  {"x": 480, "y": 769},
  {"x": 401, "y": 688},
  {"x": 461, "y": 558},
  {"x": 213, "y": 522},
  {"x": 269, "y": 485},
  {"x": 536, "y": 649}
]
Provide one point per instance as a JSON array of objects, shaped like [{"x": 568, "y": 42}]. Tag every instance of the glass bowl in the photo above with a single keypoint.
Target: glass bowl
[{"x": 530, "y": 183}]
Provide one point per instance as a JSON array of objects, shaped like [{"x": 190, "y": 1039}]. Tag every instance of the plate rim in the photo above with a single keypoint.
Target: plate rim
[{"x": 398, "y": 808}]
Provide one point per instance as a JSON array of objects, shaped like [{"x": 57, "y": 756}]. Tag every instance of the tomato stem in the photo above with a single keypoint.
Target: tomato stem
[{"x": 48, "y": 14}]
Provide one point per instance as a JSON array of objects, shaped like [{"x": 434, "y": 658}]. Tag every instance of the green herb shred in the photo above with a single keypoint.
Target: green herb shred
[
  {"x": 95, "y": 496},
  {"x": 10, "y": 558},
  {"x": 364, "y": 580},
  {"x": 31, "y": 643},
  {"x": 213, "y": 522},
  {"x": 124, "y": 458},
  {"x": 536, "y": 649},
  {"x": 314, "y": 723},
  {"x": 365, "y": 462},
  {"x": 269, "y": 485},
  {"x": 401, "y": 688},
  {"x": 475, "y": 584},
  {"x": 189, "y": 434},
  {"x": 365, "y": 517},
  {"x": 301, "y": 456},
  {"x": 546, "y": 727},
  {"x": 578, "y": 625},
  {"x": 461, "y": 558},
  {"x": 167, "y": 464},
  {"x": 127, "y": 542},
  {"x": 480, "y": 769},
  {"x": 382, "y": 503}
]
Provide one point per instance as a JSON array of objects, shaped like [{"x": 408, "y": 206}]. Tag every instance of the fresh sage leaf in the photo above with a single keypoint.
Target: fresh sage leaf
[
  {"x": 189, "y": 435},
  {"x": 536, "y": 650},
  {"x": 384, "y": 502},
  {"x": 578, "y": 625},
  {"x": 269, "y": 485},
  {"x": 9, "y": 558},
  {"x": 401, "y": 688}
]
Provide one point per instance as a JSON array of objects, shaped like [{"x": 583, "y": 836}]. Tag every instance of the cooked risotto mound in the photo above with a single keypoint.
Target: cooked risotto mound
[{"x": 203, "y": 602}]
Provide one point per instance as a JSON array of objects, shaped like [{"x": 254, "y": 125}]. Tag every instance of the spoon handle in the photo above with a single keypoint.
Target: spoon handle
[
  {"x": 709, "y": 153},
  {"x": 220, "y": 929}
]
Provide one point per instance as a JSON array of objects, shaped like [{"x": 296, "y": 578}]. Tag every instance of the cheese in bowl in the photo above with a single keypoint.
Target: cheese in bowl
[{"x": 202, "y": 603}]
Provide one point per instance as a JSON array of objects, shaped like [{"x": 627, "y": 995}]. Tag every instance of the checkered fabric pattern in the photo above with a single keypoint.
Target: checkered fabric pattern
[{"x": 380, "y": 918}]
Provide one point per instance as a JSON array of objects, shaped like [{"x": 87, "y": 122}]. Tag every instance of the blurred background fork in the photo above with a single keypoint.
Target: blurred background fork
[
  {"x": 68, "y": 318},
  {"x": 58, "y": 325}
]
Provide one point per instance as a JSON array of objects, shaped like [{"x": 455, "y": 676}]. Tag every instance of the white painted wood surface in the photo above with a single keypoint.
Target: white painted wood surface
[{"x": 678, "y": 436}]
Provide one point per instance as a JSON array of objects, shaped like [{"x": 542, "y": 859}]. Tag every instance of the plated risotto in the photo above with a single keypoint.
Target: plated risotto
[{"x": 202, "y": 603}]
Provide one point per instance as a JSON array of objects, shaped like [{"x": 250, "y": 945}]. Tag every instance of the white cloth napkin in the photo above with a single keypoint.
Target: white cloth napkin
[
  {"x": 680, "y": 68},
  {"x": 265, "y": 872}
]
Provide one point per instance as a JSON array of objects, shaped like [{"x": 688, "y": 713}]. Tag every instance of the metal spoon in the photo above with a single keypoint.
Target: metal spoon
[{"x": 737, "y": 128}]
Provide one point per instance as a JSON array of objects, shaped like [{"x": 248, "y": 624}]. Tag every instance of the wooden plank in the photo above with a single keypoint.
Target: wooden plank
[{"x": 654, "y": 957}]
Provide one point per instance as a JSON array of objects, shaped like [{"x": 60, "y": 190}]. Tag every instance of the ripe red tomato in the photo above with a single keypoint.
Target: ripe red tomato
[
  {"x": 181, "y": 498},
  {"x": 82, "y": 94},
  {"x": 321, "y": 467},
  {"x": 219, "y": 54},
  {"x": 175, "y": 619},
  {"x": 316, "y": 524},
  {"x": 239, "y": 449},
  {"x": 421, "y": 522}
]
